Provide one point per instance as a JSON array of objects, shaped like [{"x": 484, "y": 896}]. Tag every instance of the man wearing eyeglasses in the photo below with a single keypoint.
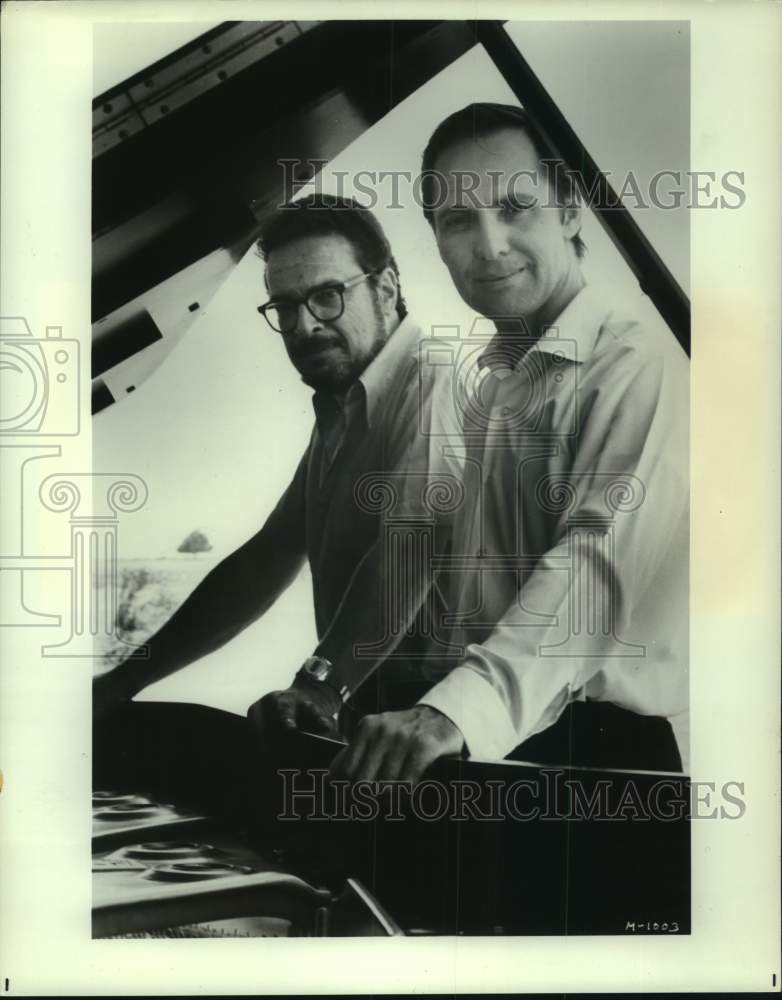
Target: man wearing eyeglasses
[{"x": 335, "y": 301}]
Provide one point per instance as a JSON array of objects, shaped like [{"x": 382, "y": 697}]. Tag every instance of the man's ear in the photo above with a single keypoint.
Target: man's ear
[
  {"x": 388, "y": 290},
  {"x": 571, "y": 221}
]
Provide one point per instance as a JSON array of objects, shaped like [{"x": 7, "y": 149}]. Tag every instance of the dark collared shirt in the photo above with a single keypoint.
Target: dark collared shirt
[{"x": 372, "y": 458}]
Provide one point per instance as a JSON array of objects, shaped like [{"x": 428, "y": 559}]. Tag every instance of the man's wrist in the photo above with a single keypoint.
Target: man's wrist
[
  {"x": 321, "y": 673},
  {"x": 303, "y": 682},
  {"x": 445, "y": 722}
]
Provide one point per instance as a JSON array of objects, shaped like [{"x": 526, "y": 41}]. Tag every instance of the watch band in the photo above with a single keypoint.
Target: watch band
[{"x": 321, "y": 671}]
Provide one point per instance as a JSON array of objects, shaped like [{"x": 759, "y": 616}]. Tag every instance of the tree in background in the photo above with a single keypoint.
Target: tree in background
[{"x": 195, "y": 542}]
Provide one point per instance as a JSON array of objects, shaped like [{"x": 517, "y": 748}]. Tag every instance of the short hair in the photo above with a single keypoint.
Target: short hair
[
  {"x": 328, "y": 215},
  {"x": 483, "y": 120}
]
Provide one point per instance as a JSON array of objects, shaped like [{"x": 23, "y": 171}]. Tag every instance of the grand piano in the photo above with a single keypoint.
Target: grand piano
[{"x": 198, "y": 832}]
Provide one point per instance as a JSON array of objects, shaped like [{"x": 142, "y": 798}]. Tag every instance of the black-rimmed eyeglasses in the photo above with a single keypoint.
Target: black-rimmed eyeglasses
[{"x": 325, "y": 304}]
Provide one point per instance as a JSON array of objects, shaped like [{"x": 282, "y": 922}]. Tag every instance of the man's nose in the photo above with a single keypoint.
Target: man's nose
[
  {"x": 491, "y": 236},
  {"x": 306, "y": 324}
]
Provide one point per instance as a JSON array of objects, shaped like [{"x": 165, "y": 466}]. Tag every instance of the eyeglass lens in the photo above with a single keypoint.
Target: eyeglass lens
[{"x": 324, "y": 303}]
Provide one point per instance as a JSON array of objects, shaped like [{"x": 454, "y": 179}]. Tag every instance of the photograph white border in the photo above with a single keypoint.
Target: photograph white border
[{"x": 45, "y": 941}]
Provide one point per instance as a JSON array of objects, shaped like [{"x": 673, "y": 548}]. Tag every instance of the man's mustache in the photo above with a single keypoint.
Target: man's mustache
[{"x": 311, "y": 345}]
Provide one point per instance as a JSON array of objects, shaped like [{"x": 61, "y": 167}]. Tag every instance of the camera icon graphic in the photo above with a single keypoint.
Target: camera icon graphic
[
  {"x": 39, "y": 381},
  {"x": 540, "y": 367}
]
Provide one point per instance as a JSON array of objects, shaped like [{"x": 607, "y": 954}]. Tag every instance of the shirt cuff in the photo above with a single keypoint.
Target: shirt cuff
[{"x": 473, "y": 705}]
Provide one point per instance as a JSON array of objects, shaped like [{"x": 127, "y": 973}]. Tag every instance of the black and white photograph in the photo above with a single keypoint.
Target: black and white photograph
[{"x": 377, "y": 519}]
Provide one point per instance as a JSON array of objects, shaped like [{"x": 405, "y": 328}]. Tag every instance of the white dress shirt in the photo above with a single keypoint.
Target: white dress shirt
[{"x": 574, "y": 540}]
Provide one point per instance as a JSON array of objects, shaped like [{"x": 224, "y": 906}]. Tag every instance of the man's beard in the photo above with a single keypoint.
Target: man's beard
[{"x": 338, "y": 377}]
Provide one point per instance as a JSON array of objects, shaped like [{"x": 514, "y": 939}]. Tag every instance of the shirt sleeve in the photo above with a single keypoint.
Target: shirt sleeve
[
  {"x": 270, "y": 560},
  {"x": 633, "y": 429}
]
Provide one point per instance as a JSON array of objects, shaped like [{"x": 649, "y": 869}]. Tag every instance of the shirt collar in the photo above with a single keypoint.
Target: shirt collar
[
  {"x": 374, "y": 382},
  {"x": 571, "y": 335},
  {"x": 328, "y": 409},
  {"x": 378, "y": 376}
]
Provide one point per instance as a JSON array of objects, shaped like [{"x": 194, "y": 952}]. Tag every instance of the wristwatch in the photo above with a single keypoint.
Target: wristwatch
[{"x": 322, "y": 671}]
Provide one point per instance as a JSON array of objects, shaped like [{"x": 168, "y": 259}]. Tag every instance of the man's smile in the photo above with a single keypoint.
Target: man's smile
[{"x": 498, "y": 279}]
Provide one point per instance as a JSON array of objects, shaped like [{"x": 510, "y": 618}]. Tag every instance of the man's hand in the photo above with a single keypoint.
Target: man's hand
[
  {"x": 110, "y": 691},
  {"x": 397, "y": 746},
  {"x": 311, "y": 707}
]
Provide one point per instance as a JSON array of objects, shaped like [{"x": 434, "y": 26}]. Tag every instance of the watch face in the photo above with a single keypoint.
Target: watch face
[{"x": 317, "y": 668}]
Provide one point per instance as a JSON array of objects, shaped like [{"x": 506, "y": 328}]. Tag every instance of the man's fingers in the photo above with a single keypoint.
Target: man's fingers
[
  {"x": 272, "y": 713},
  {"x": 372, "y": 759},
  {"x": 393, "y": 764},
  {"x": 419, "y": 756},
  {"x": 287, "y": 711},
  {"x": 397, "y": 746},
  {"x": 376, "y": 752},
  {"x": 314, "y": 718},
  {"x": 348, "y": 761},
  {"x": 282, "y": 713}
]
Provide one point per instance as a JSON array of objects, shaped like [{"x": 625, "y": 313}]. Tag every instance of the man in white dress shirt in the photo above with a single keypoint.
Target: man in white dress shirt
[{"x": 569, "y": 582}]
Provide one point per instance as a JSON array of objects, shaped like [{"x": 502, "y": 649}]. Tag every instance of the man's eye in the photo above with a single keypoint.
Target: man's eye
[
  {"x": 516, "y": 206},
  {"x": 325, "y": 297},
  {"x": 456, "y": 220}
]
